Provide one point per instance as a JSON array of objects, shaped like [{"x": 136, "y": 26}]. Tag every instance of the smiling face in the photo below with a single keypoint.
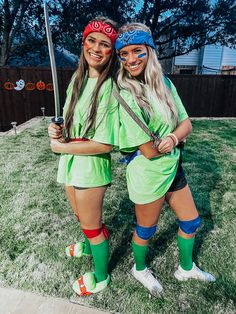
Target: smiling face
[
  {"x": 97, "y": 51},
  {"x": 134, "y": 59}
]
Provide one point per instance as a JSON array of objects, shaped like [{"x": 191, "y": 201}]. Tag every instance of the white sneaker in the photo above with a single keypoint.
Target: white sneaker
[
  {"x": 194, "y": 273},
  {"x": 148, "y": 280}
]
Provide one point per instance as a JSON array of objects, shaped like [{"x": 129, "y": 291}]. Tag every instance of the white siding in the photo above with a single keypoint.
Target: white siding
[
  {"x": 188, "y": 59},
  {"x": 229, "y": 57},
  {"x": 212, "y": 58}
]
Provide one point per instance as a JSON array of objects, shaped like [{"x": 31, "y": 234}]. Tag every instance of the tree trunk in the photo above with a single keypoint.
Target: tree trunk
[
  {"x": 12, "y": 20},
  {"x": 4, "y": 54},
  {"x": 6, "y": 32}
]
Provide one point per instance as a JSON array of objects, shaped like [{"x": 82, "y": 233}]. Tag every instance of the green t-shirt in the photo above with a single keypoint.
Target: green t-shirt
[
  {"x": 148, "y": 180},
  {"x": 83, "y": 170}
]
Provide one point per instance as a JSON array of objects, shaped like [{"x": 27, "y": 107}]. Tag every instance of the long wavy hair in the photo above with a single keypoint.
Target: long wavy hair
[
  {"x": 153, "y": 88},
  {"x": 79, "y": 77}
]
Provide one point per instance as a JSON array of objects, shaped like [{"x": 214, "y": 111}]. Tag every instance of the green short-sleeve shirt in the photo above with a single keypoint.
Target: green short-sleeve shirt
[
  {"x": 92, "y": 170},
  {"x": 148, "y": 180}
]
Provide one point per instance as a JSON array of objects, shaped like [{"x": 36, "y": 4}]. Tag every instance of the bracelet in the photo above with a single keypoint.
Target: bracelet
[
  {"x": 173, "y": 136},
  {"x": 172, "y": 139}
]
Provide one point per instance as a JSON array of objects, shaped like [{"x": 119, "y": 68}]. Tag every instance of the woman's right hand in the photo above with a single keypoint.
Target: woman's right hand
[
  {"x": 55, "y": 131},
  {"x": 166, "y": 145}
]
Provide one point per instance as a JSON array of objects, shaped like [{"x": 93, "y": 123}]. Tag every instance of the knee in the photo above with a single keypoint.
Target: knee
[
  {"x": 190, "y": 226},
  {"x": 145, "y": 233},
  {"x": 92, "y": 233}
]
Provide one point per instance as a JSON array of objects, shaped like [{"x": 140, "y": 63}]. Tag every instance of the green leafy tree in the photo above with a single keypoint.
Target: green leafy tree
[
  {"x": 11, "y": 17},
  {"x": 179, "y": 26},
  {"x": 22, "y": 28},
  {"x": 72, "y": 17}
]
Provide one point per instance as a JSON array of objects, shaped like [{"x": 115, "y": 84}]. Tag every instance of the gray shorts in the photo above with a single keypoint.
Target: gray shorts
[{"x": 91, "y": 187}]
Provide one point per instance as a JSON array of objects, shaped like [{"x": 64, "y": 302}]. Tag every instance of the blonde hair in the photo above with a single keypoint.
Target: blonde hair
[{"x": 153, "y": 87}]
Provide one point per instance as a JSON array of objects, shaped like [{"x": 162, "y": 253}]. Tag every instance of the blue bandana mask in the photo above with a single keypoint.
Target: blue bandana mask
[{"x": 134, "y": 37}]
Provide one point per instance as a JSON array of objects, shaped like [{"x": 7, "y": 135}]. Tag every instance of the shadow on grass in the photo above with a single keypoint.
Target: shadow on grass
[
  {"x": 209, "y": 178},
  {"x": 122, "y": 223},
  {"x": 160, "y": 245},
  {"x": 203, "y": 182},
  {"x": 223, "y": 289}
]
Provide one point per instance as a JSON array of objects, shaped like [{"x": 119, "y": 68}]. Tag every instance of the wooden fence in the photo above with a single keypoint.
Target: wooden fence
[
  {"x": 22, "y": 105},
  {"x": 207, "y": 95},
  {"x": 203, "y": 95}
]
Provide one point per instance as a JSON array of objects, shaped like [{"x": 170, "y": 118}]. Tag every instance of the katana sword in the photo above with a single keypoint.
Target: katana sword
[{"x": 57, "y": 119}]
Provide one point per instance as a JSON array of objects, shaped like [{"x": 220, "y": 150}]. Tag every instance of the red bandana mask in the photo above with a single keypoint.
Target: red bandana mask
[{"x": 100, "y": 27}]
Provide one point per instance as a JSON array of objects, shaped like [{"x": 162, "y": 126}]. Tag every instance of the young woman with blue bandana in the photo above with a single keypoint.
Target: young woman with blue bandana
[{"x": 155, "y": 175}]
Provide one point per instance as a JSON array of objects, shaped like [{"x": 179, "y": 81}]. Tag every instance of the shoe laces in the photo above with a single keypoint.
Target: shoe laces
[
  {"x": 201, "y": 272},
  {"x": 150, "y": 277}
]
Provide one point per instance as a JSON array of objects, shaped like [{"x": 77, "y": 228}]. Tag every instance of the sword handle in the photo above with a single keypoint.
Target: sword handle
[{"x": 58, "y": 120}]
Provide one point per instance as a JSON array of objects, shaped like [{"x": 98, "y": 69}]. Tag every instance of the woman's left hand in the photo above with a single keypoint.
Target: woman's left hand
[
  {"x": 166, "y": 145},
  {"x": 57, "y": 146}
]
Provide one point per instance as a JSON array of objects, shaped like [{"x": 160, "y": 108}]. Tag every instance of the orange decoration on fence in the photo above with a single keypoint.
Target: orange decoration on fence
[
  {"x": 30, "y": 86},
  {"x": 49, "y": 87},
  {"x": 40, "y": 85},
  {"x": 9, "y": 85}
]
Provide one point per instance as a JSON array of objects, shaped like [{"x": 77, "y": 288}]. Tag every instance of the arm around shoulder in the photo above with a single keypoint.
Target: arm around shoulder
[
  {"x": 80, "y": 148},
  {"x": 148, "y": 151},
  {"x": 88, "y": 148}
]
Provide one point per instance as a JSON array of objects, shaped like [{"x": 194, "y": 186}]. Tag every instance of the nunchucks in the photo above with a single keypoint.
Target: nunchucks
[{"x": 58, "y": 120}]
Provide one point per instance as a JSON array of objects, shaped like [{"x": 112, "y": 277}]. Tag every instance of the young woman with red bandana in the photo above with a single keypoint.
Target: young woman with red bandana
[{"x": 91, "y": 127}]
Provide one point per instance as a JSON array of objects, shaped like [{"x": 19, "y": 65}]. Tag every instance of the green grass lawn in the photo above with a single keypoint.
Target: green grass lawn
[{"x": 37, "y": 224}]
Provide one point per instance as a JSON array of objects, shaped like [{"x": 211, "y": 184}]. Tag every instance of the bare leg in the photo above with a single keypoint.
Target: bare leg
[
  {"x": 183, "y": 205},
  {"x": 147, "y": 215},
  {"x": 77, "y": 250},
  {"x": 70, "y": 193},
  {"x": 89, "y": 204}
]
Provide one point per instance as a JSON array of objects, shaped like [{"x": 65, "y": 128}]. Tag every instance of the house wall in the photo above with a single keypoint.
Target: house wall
[
  {"x": 191, "y": 58},
  {"x": 229, "y": 57},
  {"x": 210, "y": 59}
]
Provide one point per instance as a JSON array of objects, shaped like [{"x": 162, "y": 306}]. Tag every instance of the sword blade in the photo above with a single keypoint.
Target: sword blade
[{"x": 52, "y": 62}]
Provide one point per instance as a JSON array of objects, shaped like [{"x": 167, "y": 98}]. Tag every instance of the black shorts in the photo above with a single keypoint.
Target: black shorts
[
  {"x": 92, "y": 187},
  {"x": 179, "y": 181}
]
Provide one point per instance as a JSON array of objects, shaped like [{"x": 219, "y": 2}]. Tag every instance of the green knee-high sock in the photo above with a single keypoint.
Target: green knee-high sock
[
  {"x": 87, "y": 248},
  {"x": 140, "y": 253},
  {"x": 100, "y": 257},
  {"x": 185, "y": 252}
]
